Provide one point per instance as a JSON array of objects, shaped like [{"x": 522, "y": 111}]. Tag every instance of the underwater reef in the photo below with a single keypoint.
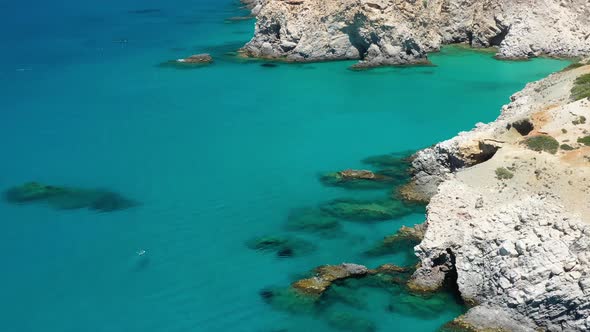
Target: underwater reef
[
  {"x": 283, "y": 246},
  {"x": 337, "y": 294},
  {"x": 66, "y": 198},
  {"x": 405, "y": 237},
  {"x": 368, "y": 210},
  {"x": 315, "y": 221}
]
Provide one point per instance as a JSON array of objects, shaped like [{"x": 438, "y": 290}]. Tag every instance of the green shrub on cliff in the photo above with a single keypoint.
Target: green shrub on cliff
[
  {"x": 542, "y": 143},
  {"x": 566, "y": 147},
  {"x": 573, "y": 66},
  {"x": 584, "y": 140},
  {"x": 503, "y": 174},
  {"x": 581, "y": 87},
  {"x": 579, "y": 120}
]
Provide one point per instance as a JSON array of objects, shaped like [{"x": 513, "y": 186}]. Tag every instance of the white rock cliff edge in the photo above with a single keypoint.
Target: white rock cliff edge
[
  {"x": 515, "y": 224},
  {"x": 386, "y": 32}
]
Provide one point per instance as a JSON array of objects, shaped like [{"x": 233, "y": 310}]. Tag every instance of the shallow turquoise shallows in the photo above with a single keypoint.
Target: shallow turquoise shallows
[{"x": 215, "y": 156}]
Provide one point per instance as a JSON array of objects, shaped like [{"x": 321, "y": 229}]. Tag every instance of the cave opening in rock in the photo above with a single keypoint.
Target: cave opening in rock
[
  {"x": 451, "y": 277},
  {"x": 499, "y": 38},
  {"x": 354, "y": 35}
]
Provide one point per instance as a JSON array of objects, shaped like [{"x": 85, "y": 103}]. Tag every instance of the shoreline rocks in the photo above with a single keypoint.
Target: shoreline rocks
[
  {"x": 388, "y": 32},
  {"x": 517, "y": 247},
  {"x": 326, "y": 275}
]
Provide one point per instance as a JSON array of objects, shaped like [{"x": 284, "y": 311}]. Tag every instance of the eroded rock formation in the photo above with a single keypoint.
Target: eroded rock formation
[
  {"x": 386, "y": 32},
  {"x": 514, "y": 225}
]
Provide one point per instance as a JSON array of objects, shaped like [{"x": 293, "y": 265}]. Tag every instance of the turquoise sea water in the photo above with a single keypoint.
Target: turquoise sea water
[{"x": 216, "y": 156}]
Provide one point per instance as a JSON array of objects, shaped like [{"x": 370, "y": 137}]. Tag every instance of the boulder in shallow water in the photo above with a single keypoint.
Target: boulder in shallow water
[
  {"x": 325, "y": 275},
  {"x": 197, "y": 58},
  {"x": 193, "y": 61},
  {"x": 356, "y": 179}
]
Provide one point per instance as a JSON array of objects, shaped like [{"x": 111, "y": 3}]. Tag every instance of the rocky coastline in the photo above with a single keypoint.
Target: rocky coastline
[
  {"x": 507, "y": 219},
  {"x": 398, "y": 32},
  {"x": 508, "y": 215}
]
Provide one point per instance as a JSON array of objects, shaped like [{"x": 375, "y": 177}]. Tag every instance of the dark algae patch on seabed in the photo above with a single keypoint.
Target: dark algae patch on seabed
[{"x": 65, "y": 198}]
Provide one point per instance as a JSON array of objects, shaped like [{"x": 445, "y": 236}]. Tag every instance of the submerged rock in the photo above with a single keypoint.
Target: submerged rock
[
  {"x": 289, "y": 300},
  {"x": 68, "y": 198},
  {"x": 404, "y": 239},
  {"x": 283, "y": 246},
  {"x": 422, "y": 306},
  {"x": 197, "y": 58},
  {"x": 32, "y": 191},
  {"x": 313, "y": 221},
  {"x": 193, "y": 61},
  {"x": 346, "y": 321},
  {"x": 392, "y": 160},
  {"x": 360, "y": 210},
  {"x": 326, "y": 275},
  {"x": 356, "y": 179}
]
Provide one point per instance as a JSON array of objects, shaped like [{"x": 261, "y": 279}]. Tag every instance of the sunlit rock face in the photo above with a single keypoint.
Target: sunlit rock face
[
  {"x": 392, "y": 32},
  {"x": 514, "y": 227}
]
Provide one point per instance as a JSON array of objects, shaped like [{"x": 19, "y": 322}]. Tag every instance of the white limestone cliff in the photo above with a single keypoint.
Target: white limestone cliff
[
  {"x": 385, "y": 32},
  {"x": 518, "y": 240}
]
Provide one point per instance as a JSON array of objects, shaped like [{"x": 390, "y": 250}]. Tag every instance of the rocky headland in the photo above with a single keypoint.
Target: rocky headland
[
  {"x": 508, "y": 216},
  {"x": 393, "y": 32}
]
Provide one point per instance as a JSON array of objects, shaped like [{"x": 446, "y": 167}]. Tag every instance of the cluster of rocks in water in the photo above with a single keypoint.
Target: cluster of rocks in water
[
  {"x": 66, "y": 198},
  {"x": 333, "y": 287}
]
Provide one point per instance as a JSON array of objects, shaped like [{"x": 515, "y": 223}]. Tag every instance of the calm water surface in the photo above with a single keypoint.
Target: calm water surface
[{"x": 216, "y": 156}]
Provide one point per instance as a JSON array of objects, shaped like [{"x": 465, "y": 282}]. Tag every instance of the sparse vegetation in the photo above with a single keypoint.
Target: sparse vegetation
[
  {"x": 503, "y": 174},
  {"x": 581, "y": 88},
  {"x": 584, "y": 140},
  {"x": 566, "y": 147},
  {"x": 563, "y": 130},
  {"x": 573, "y": 66},
  {"x": 580, "y": 120},
  {"x": 542, "y": 143}
]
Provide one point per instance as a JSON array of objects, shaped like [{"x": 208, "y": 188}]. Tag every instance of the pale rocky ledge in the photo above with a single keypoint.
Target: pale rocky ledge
[
  {"x": 391, "y": 32},
  {"x": 511, "y": 222}
]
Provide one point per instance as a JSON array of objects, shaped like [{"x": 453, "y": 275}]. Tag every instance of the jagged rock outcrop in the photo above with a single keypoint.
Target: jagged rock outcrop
[
  {"x": 515, "y": 225},
  {"x": 385, "y": 32}
]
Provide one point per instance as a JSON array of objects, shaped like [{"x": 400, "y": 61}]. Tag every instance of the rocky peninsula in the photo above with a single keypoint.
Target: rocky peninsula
[
  {"x": 393, "y": 32},
  {"x": 507, "y": 216},
  {"x": 507, "y": 211}
]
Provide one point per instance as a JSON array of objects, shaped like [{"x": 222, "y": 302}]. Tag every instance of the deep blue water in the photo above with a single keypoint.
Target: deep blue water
[{"x": 216, "y": 156}]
